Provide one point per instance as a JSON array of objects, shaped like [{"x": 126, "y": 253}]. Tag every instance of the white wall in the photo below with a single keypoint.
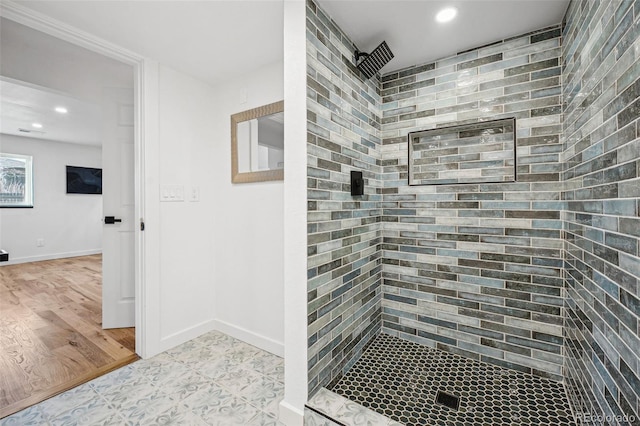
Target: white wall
[
  {"x": 295, "y": 202},
  {"x": 185, "y": 143},
  {"x": 248, "y": 223},
  {"x": 70, "y": 224},
  {"x": 221, "y": 258}
]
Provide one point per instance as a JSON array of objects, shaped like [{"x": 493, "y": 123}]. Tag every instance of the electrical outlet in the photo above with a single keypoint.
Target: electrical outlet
[{"x": 40, "y": 242}]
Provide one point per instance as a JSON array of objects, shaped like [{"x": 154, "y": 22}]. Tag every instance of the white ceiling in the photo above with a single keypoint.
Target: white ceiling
[
  {"x": 214, "y": 40},
  {"x": 410, "y": 29},
  {"x": 37, "y": 58},
  {"x": 210, "y": 40},
  {"x": 23, "y": 104}
]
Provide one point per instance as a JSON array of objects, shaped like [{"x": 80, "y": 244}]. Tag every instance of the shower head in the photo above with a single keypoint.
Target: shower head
[{"x": 374, "y": 61}]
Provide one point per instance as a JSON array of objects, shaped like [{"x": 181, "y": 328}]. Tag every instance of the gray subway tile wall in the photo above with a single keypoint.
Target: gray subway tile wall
[
  {"x": 538, "y": 275},
  {"x": 344, "y": 232},
  {"x": 601, "y": 155},
  {"x": 476, "y": 269}
]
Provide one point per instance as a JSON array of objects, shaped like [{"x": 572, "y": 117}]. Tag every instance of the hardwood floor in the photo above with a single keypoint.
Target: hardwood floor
[{"x": 51, "y": 337}]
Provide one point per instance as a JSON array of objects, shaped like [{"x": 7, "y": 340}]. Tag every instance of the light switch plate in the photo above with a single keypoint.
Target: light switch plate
[
  {"x": 194, "y": 194},
  {"x": 171, "y": 193}
]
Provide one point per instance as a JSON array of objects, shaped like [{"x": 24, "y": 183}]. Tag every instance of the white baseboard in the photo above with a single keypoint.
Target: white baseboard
[
  {"x": 289, "y": 415},
  {"x": 185, "y": 335},
  {"x": 240, "y": 333},
  {"x": 51, "y": 256},
  {"x": 260, "y": 341}
]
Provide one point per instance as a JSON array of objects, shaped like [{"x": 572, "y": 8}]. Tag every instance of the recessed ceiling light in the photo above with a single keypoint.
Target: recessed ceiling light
[
  {"x": 36, "y": 125},
  {"x": 446, "y": 14},
  {"x": 61, "y": 110}
]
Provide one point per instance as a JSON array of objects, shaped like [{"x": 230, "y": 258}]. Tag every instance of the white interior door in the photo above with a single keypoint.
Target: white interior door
[{"x": 118, "y": 236}]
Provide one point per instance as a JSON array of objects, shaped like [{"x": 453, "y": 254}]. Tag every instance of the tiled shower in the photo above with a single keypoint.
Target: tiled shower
[{"x": 538, "y": 276}]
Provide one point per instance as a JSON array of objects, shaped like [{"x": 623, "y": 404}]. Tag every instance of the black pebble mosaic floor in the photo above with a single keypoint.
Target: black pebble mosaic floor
[{"x": 400, "y": 379}]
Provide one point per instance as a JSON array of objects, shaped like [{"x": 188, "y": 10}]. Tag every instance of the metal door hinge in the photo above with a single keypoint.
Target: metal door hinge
[{"x": 141, "y": 225}]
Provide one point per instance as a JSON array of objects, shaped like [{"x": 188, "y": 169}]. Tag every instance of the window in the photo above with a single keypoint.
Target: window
[{"x": 16, "y": 180}]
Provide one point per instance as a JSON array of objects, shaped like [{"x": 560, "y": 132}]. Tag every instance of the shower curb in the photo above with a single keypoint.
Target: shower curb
[{"x": 344, "y": 412}]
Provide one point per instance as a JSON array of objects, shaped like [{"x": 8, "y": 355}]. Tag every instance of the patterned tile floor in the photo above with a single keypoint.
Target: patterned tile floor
[
  {"x": 400, "y": 379},
  {"x": 212, "y": 380}
]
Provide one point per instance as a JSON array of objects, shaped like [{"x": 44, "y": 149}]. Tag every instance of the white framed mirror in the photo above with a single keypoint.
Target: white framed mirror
[{"x": 257, "y": 144}]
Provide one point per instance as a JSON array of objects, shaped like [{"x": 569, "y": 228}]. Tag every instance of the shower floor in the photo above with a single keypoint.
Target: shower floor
[{"x": 400, "y": 379}]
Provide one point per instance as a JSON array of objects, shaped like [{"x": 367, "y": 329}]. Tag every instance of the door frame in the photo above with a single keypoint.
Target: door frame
[{"x": 146, "y": 153}]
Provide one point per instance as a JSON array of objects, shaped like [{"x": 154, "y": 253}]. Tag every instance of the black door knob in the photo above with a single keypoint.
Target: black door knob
[{"x": 110, "y": 220}]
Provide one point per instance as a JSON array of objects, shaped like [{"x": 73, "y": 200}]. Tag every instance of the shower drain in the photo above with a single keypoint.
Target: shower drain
[{"x": 448, "y": 400}]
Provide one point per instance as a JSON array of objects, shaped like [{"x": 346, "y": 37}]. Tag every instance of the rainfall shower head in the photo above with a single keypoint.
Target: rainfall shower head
[{"x": 374, "y": 61}]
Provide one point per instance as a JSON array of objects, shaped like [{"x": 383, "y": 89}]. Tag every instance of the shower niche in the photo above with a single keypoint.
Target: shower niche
[{"x": 483, "y": 152}]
